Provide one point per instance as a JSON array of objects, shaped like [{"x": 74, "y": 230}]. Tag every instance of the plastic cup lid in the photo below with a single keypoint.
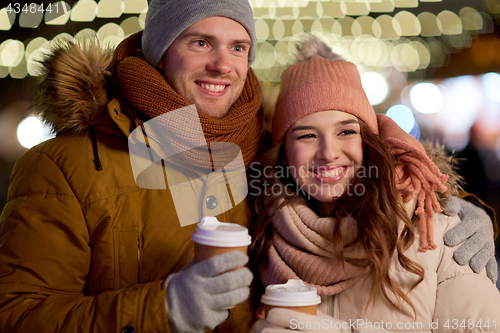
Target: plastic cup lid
[
  {"x": 292, "y": 293},
  {"x": 211, "y": 232}
]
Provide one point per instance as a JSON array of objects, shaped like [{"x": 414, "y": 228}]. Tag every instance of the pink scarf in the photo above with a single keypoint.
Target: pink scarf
[
  {"x": 303, "y": 249},
  {"x": 423, "y": 177}
]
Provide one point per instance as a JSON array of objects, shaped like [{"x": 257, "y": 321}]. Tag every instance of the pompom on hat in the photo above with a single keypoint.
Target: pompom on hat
[
  {"x": 167, "y": 19},
  {"x": 320, "y": 80}
]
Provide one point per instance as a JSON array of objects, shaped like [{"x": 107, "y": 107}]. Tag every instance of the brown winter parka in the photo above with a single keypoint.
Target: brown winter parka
[{"x": 83, "y": 248}]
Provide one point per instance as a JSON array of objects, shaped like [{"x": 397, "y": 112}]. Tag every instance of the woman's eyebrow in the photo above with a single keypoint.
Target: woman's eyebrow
[
  {"x": 341, "y": 122},
  {"x": 348, "y": 121},
  {"x": 301, "y": 128}
]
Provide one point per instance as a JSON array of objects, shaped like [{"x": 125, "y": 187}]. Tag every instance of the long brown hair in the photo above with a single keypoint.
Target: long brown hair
[{"x": 378, "y": 212}]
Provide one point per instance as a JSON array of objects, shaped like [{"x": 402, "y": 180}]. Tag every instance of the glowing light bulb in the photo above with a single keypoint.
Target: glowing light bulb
[
  {"x": 426, "y": 98},
  {"x": 403, "y": 116},
  {"x": 376, "y": 87},
  {"x": 31, "y": 131}
]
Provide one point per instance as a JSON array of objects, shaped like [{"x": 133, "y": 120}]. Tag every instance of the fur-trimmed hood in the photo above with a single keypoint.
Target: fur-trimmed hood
[
  {"x": 72, "y": 95},
  {"x": 448, "y": 165}
]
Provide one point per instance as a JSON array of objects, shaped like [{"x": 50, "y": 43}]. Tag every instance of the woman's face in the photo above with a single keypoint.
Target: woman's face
[{"x": 324, "y": 151}]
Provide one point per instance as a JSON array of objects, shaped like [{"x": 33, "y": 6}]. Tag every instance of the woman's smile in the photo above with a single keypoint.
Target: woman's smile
[{"x": 328, "y": 146}]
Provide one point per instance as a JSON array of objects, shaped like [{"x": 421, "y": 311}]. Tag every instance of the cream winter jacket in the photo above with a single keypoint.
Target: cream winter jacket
[{"x": 451, "y": 298}]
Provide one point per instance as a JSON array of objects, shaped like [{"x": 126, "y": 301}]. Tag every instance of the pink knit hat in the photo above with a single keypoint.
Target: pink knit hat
[{"x": 321, "y": 81}]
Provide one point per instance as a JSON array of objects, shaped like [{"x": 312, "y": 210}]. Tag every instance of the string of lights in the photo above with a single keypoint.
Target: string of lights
[{"x": 371, "y": 33}]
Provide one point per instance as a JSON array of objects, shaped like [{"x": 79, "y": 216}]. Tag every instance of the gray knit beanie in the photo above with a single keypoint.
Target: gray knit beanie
[{"x": 167, "y": 19}]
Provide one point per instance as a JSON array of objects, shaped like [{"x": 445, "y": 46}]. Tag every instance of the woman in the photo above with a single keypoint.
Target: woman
[{"x": 354, "y": 207}]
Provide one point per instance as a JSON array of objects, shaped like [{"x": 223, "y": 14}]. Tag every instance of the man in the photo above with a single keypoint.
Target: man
[
  {"x": 83, "y": 247},
  {"x": 98, "y": 252}
]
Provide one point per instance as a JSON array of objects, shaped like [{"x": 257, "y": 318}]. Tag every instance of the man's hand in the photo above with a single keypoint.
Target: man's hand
[
  {"x": 199, "y": 296},
  {"x": 280, "y": 320},
  {"x": 476, "y": 230}
]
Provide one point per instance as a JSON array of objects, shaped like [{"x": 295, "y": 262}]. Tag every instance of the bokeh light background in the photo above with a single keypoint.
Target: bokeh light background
[{"x": 432, "y": 65}]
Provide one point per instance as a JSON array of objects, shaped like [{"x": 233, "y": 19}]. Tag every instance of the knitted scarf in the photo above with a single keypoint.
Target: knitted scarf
[
  {"x": 303, "y": 249},
  {"x": 418, "y": 177},
  {"x": 145, "y": 89}
]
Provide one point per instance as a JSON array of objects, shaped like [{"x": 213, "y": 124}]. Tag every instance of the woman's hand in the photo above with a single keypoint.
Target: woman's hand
[{"x": 280, "y": 320}]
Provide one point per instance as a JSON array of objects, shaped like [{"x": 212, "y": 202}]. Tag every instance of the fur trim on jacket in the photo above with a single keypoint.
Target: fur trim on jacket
[
  {"x": 448, "y": 165},
  {"x": 72, "y": 95}
]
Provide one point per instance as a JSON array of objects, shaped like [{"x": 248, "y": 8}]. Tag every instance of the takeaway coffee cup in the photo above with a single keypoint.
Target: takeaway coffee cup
[
  {"x": 212, "y": 237},
  {"x": 293, "y": 295}
]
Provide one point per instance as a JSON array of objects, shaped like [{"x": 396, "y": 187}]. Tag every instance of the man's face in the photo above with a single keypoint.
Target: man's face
[{"x": 207, "y": 64}]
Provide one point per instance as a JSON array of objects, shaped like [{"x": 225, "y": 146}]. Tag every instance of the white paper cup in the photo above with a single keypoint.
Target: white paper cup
[
  {"x": 294, "y": 295},
  {"x": 212, "y": 237}
]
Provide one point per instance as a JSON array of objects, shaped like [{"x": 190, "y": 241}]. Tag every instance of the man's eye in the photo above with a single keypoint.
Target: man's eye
[
  {"x": 238, "y": 48},
  {"x": 201, "y": 43}
]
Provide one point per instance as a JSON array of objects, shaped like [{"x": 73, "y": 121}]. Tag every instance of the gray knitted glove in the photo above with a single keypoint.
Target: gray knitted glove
[
  {"x": 199, "y": 295},
  {"x": 476, "y": 229}
]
